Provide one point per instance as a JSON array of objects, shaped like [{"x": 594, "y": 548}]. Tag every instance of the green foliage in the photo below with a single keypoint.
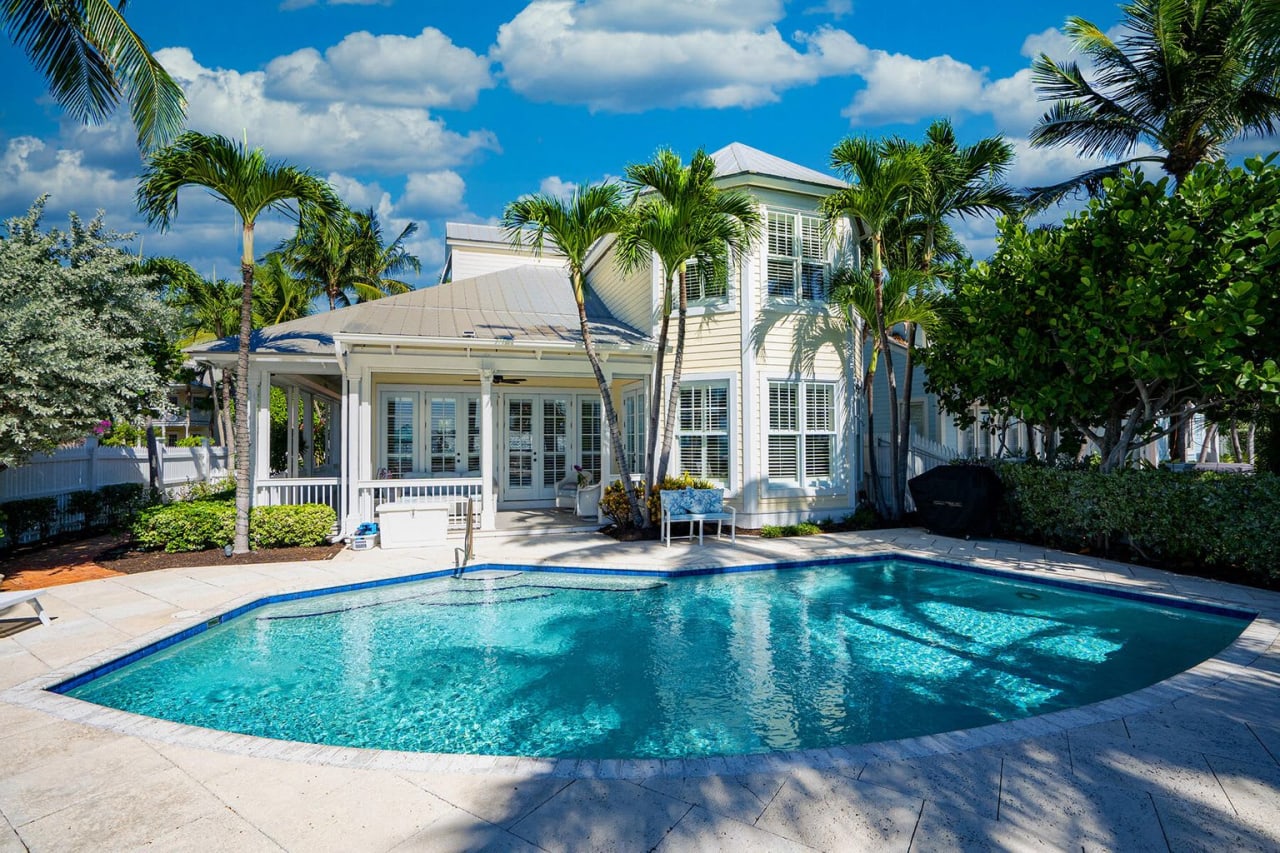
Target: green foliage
[
  {"x": 31, "y": 514},
  {"x": 202, "y": 524},
  {"x": 186, "y": 526},
  {"x": 4, "y": 524},
  {"x": 1226, "y": 524},
  {"x": 290, "y": 526},
  {"x": 124, "y": 434},
  {"x": 1135, "y": 308},
  {"x": 216, "y": 490},
  {"x": 89, "y": 505},
  {"x": 804, "y": 528},
  {"x": 82, "y": 334},
  {"x": 190, "y": 441},
  {"x": 123, "y": 501},
  {"x": 614, "y": 505}
]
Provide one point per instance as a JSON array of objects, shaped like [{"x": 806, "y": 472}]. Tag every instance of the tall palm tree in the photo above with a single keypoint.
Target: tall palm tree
[
  {"x": 680, "y": 215},
  {"x": 1186, "y": 77},
  {"x": 376, "y": 263},
  {"x": 251, "y": 184},
  {"x": 958, "y": 182},
  {"x": 883, "y": 178},
  {"x": 91, "y": 59},
  {"x": 575, "y": 226}
]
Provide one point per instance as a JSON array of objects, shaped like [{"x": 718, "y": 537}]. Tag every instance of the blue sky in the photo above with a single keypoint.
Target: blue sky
[{"x": 436, "y": 111}]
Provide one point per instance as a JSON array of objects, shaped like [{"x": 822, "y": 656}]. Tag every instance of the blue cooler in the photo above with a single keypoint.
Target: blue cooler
[{"x": 366, "y": 537}]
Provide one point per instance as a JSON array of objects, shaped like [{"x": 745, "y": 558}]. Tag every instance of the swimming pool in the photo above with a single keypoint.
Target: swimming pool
[{"x": 590, "y": 666}]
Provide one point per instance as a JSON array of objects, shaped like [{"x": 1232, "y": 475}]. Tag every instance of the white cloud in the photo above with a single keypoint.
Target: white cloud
[
  {"x": 332, "y": 135},
  {"x": 902, "y": 88},
  {"x": 608, "y": 56},
  {"x": 29, "y": 168},
  {"x": 434, "y": 193},
  {"x": 554, "y": 186},
  {"x": 835, "y": 8},
  {"x": 426, "y": 70}
]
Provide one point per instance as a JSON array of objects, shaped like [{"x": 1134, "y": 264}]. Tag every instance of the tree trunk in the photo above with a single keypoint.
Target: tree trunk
[
  {"x": 655, "y": 393},
  {"x": 874, "y": 493},
  {"x": 904, "y": 438},
  {"x": 1236, "y": 452},
  {"x": 1210, "y": 436},
  {"x": 227, "y": 428},
  {"x": 243, "y": 498},
  {"x": 638, "y": 516},
  {"x": 882, "y": 333},
  {"x": 673, "y": 396}
]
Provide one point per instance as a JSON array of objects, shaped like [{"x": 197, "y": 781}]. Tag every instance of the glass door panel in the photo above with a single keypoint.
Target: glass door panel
[
  {"x": 555, "y": 444},
  {"x": 399, "y": 418},
  {"x": 520, "y": 445},
  {"x": 442, "y": 437}
]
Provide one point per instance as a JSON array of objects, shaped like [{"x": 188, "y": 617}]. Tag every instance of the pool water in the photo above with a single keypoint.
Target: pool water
[{"x": 590, "y": 666}]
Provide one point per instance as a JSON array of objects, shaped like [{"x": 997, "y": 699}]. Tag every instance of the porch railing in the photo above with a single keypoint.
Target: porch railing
[
  {"x": 299, "y": 490},
  {"x": 453, "y": 492}
]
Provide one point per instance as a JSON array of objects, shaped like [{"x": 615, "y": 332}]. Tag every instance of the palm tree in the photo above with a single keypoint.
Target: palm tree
[
  {"x": 883, "y": 178},
  {"x": 1186, "y": 77},
  {"x": 278, "y": 296},
  {"x": 575, "y": 226},
  {"x": 251, "y": 184},
  {"x": 957, "y": 182},
  {"x": 210, "y": 309},
  {"x": 375, "y": 263},
  {"x": 680, "y": 215},
  {"x": 91, "y": 59}
]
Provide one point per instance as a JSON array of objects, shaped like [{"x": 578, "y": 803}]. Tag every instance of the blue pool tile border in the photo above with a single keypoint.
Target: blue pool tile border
[{"x": 111, "y": 666}]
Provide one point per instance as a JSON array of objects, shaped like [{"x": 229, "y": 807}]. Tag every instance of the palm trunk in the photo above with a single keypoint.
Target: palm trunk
[
  {"x": 904, "y": 439},
  {"x": 673, "y": 397},
  {"x": 639, "y": 517},
  {"x": 241, "y": 543},
  {"x": 227, "y": 428},
  {"x": 873, "y": 465},
  {"x": 655, "y": 394},
  {"x": 882, "y": 334}
]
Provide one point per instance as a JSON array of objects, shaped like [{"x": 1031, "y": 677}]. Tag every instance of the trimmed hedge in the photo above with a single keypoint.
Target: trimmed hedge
[
  {"x": 198, "y": 525},
  {"x": 1227, "y": 525}
]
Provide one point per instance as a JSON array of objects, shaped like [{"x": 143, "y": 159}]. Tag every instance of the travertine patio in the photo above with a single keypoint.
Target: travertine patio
[{"x": 1188, "y": 764}]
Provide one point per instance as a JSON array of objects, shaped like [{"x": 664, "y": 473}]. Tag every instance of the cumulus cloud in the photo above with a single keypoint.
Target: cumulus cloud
[
  {"x": 426, "y": 70},
  {"x": 553, "y": 185},
  {"x": 331, "y": 135},
  {"x": 30, "y": 167},
  {"x": 607, "y": 55},
  {"x": 902, "y": 88},
  {"x": 835, "y": 8},
  {"x": 434, "y": 193}
]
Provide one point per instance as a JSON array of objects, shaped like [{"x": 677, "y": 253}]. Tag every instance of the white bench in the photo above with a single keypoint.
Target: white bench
[
  {"x": 13, "y": 599},
  {"x": 696, "y": 506}
]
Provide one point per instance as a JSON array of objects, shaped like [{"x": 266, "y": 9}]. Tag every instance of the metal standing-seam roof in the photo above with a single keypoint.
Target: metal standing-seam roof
[
  {"x": 736, "y": 159},
  {"x": 525, "y": 304}
]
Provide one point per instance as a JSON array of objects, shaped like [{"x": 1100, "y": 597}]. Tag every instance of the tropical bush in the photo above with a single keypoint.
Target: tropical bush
[
  {"x": 200, "y": 524},
  {"x": 613, "y": 503},
  {"x": 125, "y": 500},
  {"x": 190, "y": 441},
  {"x": 290, "y": 526},
  {"x": 89, "y": 505},
  {"x": 31, "y": 514},
  {"x": 804, "y": 528},
  {"x": 1223, "y": 524}
]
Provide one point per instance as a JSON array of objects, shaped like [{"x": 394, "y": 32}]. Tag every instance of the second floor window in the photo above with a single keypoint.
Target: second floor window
[
  {"x": 704, "y": 283},
  {"x": 797, "y": 266}
]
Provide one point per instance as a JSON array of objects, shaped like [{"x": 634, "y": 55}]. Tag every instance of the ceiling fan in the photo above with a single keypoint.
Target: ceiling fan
[{"x": 499, "y": 379}]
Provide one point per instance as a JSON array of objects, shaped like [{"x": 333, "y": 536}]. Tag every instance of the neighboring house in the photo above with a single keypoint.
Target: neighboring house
[
  {"x": 190, "y": 414},
  {"x": 479, "y": 386}
]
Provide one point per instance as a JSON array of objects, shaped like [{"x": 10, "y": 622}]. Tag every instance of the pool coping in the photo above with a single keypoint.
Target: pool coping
[{"x": 1261, "y": 633}]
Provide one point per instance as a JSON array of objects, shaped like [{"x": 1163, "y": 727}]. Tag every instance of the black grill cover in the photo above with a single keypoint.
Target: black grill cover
[{"x": 957, "y": 500}]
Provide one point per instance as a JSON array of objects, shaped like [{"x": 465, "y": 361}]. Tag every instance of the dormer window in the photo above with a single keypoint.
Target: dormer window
[{"x": 797, "y": 269}]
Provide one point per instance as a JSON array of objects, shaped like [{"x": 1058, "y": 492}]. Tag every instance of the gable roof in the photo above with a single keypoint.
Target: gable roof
[
  {"x": 525, "y": 304},
  {"x": 737, "y": 159}
]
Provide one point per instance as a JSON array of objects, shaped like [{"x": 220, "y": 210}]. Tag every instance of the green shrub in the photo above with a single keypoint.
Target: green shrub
[
  {"x": 186, "y": 526},
  {"x": 88, "y": 504},
  {"x": 290, "y": 526},
  {"x": 214, "y": 490},
  {"x": 613, "y": 503},
  {"x": 197, "y": 525},
  {"x": 123, "y": 501},
  {"x": 4, "y": 522},
  {"x": 190, "y": 441},
  {"x": 804, "y": 528},
  {"x": 31, "y": 514},
  {"x": 1225, "y": 524}
]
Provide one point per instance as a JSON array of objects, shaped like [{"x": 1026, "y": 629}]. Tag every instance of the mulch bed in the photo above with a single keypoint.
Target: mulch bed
[{"x": 111, "y": 555}]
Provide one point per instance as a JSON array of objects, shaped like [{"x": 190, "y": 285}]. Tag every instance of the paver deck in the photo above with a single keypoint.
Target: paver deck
[{"x": 1189, "y": 764}]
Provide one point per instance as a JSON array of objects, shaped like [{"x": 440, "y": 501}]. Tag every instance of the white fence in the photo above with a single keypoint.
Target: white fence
[
  {"x": 299, "y": 490},
  {"x": 924, "y": 455},
  {"x": 77, "y": 469}
]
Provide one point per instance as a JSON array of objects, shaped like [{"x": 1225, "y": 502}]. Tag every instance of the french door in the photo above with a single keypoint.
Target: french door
[{"x": 536, "y": 439}]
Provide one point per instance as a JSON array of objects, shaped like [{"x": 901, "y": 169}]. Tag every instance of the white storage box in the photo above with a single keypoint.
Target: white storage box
[{"x": 413, "y": 524}]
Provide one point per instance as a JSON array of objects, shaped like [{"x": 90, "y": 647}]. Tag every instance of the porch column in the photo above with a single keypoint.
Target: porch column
[
  {"x": 350, "y": 456},
  {"x": 488, "y": 482},
  {"x": 291, "y": 449},
  {"x": 308, "y": 433},
  {"x": 260, "y": 446}
]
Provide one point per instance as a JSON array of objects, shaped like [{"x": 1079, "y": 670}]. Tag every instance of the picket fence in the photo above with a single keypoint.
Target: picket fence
[{"x": 923, "y": 455}]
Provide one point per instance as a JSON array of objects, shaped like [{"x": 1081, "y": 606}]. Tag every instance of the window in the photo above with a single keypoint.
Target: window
[
  {"x": 918, "y": 426},
  {"x": 704, "y": 283},
  {"x": 702, "y": 431},
  {"x": 398, "y": 421},
  {"x": 797, "y": 266},
  {"x": 802, "y": 434},
  {"x": 589, "y": 437},
  {"x": 429, "y": 434},
  {"x": 633, "y": 430}
]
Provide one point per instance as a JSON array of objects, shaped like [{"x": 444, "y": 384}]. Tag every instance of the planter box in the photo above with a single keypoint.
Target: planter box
[{"x": 413, "y": 524}]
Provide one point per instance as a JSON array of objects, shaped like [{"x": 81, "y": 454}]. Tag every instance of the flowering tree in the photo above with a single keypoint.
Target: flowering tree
[{"x": 82, "y": 334}]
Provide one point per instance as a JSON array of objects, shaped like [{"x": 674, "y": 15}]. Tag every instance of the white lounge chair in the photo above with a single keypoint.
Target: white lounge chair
[
  {"x": 570, "y": 494},
  {"x": 30, "y": 596}
]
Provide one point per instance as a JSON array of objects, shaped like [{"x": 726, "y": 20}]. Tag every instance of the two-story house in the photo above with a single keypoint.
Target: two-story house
[{"x": 479, "y": 387}]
